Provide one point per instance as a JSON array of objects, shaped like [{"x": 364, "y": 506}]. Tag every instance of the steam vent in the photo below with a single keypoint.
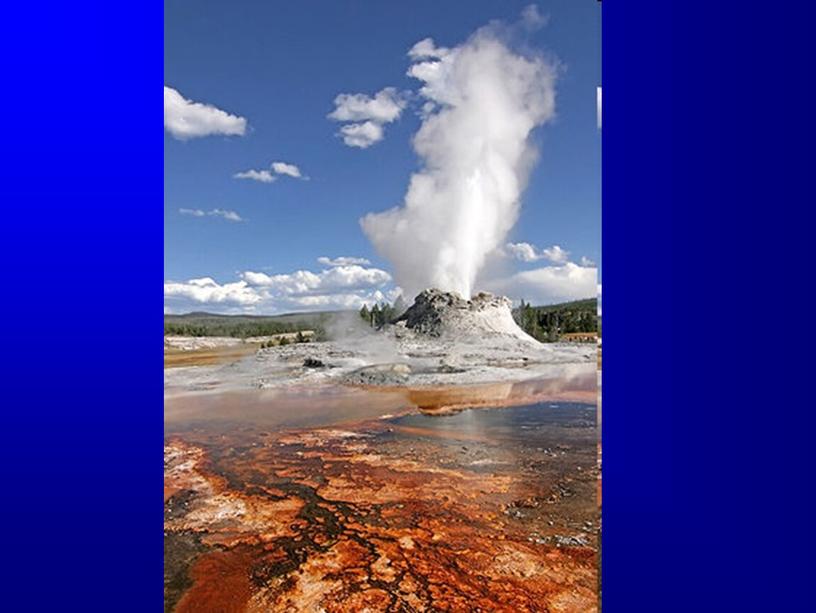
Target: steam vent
[{"x": 447, "y": 314}]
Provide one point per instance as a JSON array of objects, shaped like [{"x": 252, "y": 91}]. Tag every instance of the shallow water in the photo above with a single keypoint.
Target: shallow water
[
  {"x": 327, "y": 405},
  {"x": 526, "y": 424}
]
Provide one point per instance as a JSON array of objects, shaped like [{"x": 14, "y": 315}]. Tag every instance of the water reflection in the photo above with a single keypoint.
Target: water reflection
[{"x": 321, "y": 406}]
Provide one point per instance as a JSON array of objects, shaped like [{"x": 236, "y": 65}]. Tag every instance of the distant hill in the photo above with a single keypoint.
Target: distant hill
[
  {"x": 243, "y": 326},
  {"x": 587, "y": 304}
]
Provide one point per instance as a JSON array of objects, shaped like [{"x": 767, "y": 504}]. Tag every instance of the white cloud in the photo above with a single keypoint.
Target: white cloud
[
  {"x": 282, "y": 168},
  {"x": 228, "y": 215},
  {"x": 522, "y": 251},
  {"x": 270, "y": 175},
  {"x": 368, "y": 114},
  {"x": 329, "y": 280},
  {"x": 193, "y": 212},
  {"x": 528, "y": 253},
  {"x": 337, "y": 287},
  {"x": 341, "y": 261},
  {"x": 555, "y": 254},
  {"x": 549, "y": 284},
  {"x": 361, "y": 135},
  {"x": 186, "y": 119},
  {"x": 585, "y": 261},
  {"x": 264, "y": 176},
  {"x": 207, "y": 291},
  {"x": 333, "y": 301},
  {"x": 385, "y": 107}
]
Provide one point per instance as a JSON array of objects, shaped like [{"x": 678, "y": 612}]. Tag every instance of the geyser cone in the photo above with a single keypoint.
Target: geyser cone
[{"x": 447, "y": 314}]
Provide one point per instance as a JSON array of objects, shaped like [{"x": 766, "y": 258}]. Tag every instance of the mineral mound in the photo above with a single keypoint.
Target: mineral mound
[{"x": 446, "y": 314}]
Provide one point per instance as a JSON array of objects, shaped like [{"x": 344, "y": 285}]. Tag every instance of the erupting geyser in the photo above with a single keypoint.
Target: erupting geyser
[{"x": 482, "y": 101}]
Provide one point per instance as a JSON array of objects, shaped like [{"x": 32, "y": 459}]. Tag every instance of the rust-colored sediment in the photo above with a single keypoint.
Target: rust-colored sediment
[
  {"x": 174, "y": 358},
  {"x": 391, "y": 515}
]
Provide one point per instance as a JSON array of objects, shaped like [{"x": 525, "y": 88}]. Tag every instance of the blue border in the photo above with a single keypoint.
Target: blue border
[
  {"x": 82, "y": 215},
  {"x": 707, "y": 166},
  {"x": 708, "y": 137}
]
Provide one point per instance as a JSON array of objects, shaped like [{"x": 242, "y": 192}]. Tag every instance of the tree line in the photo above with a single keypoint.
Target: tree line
[
  {"x": 548, "y": 323},
  {"x": 382, "y": 313},
  {"x": 243, "y": 327},
  {"x": 233, "y": 329}
]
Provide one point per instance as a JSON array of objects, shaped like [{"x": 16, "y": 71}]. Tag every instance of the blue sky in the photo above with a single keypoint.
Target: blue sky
[{"x": 277, "y": 68}]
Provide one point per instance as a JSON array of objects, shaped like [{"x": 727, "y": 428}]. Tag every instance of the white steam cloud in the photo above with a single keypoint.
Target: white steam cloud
[{"x": 482, "y": 101}]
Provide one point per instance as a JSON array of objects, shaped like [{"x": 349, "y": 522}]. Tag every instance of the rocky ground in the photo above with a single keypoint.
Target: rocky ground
[
  {"x": 380, "y": 359},
  {"x": 442, "y": 339}
]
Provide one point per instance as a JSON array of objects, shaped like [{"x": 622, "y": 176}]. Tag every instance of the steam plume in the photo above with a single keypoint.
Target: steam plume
[{"x": 482, "y": 101}]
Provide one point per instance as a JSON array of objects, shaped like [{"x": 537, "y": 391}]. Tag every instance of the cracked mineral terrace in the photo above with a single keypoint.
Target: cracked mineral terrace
[{"x": 482, "y": 510}]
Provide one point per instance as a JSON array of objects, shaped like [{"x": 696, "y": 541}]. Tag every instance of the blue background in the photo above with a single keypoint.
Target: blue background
[
  {"x": 707, "y": 188},
  {"x": 707, "y": 238}
]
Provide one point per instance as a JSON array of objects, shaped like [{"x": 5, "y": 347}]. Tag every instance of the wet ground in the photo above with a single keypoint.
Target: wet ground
[{"x": 387, "y": 500}]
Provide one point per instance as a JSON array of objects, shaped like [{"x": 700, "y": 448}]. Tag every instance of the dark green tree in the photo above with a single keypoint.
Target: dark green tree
[{"x": 386, "y": 314}]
